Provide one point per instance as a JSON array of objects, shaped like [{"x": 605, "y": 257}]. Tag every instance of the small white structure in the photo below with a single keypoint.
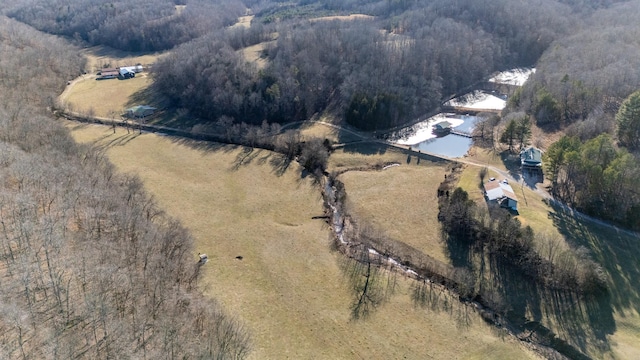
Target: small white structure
[
  {"x": 502, "y": 193},
  {"x": 134, "y": 69},
  {"x": 126, "y": 74},
  {"x": 203, "y": 259},
  {"x": 140, "y": 111}
]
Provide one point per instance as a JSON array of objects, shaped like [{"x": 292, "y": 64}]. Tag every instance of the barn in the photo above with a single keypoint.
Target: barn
[{"x": 108, "y": 73}]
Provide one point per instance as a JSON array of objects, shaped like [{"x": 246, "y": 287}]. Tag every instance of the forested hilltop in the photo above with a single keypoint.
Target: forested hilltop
[
  {"x": 90, "y": 266},
  {"x": 376, "y": 72},
  {"x": 148, "y": 25}
]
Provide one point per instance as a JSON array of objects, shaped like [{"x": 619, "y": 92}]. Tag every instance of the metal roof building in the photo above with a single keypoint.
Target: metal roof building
[{"x": 501, "y": 192}]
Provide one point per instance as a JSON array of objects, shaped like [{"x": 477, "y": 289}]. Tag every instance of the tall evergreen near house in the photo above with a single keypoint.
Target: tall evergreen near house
[{"x": 628, "y": 119}]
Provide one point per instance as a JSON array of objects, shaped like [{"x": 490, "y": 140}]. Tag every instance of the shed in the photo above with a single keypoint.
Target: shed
[
  {"x": 134, "y": 69},
  {"x": 125, "y": 73},
  {"x": 140, "y": 111},
  {"x": 108, "y": 73},
  {"x": 443, "y": 127}
]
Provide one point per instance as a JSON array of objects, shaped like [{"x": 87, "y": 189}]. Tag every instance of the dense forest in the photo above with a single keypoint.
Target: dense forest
[
  {"x": 377, "y": 72},
  {"x": 90, "y": 265},
  {"x": 148, "y": 25}
]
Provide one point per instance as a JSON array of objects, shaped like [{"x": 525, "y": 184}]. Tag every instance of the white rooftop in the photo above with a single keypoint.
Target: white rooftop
[{"x": 496, "y": 190}]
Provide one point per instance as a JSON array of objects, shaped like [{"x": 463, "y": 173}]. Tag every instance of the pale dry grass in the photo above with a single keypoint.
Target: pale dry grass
[
  {"x": 344, "y": 17},
  {"x": 486, "y": 156},
  {"x": 180, "y": 9},
  {"x": 322, "y": 130},
  {"x": 253, "y": 54},
  {"x": 102, "y": 56},
  {"x": 243, "y": 21},
  {"x": 104, "y": 98},
  {"x": 289, "y": 288},
  {"x": 402, "y": 200}
]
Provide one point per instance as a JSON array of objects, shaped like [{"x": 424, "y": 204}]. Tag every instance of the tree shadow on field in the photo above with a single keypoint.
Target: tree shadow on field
[
  {"x": 582, "y": 323},
  {"x": 366, "y": 148},
  {"x": 618, "y": 253},
  {"x": 280, "y": 163},
  {"x": 512, "y": 162},
  {"x": 204, "y": 146},
  {"x": 371, "y": 283},
  {"x": 111, "y": 140},
  {"x": 245, "y": 157}
]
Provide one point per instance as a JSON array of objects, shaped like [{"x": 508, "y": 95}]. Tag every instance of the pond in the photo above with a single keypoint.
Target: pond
[{"x": 421, "y": 137}]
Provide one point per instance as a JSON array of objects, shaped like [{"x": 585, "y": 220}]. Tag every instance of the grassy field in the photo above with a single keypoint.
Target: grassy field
[
  {"x": 101, "y": 56},
  {"x": 103, "y": 98},
  {"x": 243, "y": 22},
  {"x": 344, "y": 17},
  {"x": 254, "y": 53},
  {"x": 401, "y": 200},
  {"x": 289, "y": 288}
]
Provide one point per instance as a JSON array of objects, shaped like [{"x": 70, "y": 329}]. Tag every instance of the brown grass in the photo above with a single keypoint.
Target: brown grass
[
  {"x": 383, "y": 198},
  {"x": 344, "y": 17},
  {"x": 180, "y": 9},
  {"x": 243, "y": 21},
  {"x": 103, "y": 97},
  {"x": 102, "y": 56},
  {"x": 253, "y": 54},
  {"x": 289, "y": 288}
]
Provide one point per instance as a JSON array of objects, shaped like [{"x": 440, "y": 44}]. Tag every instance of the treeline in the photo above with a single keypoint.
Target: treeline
[
  {"x": 145, "y": 25},
  {"x": 582, "y": 79},
  {"x": 580, "y": 87},
  {"x": 376, "y": 73},
  {"x": 472, "y": 232},
  {"x": 596, "y": 177},
  {"x": 90, "y": 266}
]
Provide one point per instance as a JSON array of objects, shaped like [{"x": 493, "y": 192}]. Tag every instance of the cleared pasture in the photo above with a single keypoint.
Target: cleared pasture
[
  {"x": 102, "y": 56},
  {"x": 103, "y": 98},
  {"x": 344, "y": 17},
  {"x": 255, "y": 54},
  {"x": 289, "y": 288},
  {"x": 401, "y": 200}
]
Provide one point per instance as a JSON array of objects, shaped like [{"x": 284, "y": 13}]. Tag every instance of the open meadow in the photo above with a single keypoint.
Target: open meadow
[
  {"x": 289, "y": 287},
  {"x": 103, "y": 98},
  {"x": 401, "y": 201},
  {"x": 102, "y": 56}
]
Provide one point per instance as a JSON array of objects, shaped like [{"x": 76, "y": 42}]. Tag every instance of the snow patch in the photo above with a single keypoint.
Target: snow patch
[
  {"x": 516, "y": 77},
  {"x": 478, "y": 100},
  {"x": 424, "y": 130}
]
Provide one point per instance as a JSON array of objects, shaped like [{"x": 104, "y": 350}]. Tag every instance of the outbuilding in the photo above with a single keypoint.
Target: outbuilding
[
  {"x": 126, "y": 73},
  {"x": 442, "y": 128},
  {"x": 140, "y": 111},
  {"x": 108, "y": 73}
]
